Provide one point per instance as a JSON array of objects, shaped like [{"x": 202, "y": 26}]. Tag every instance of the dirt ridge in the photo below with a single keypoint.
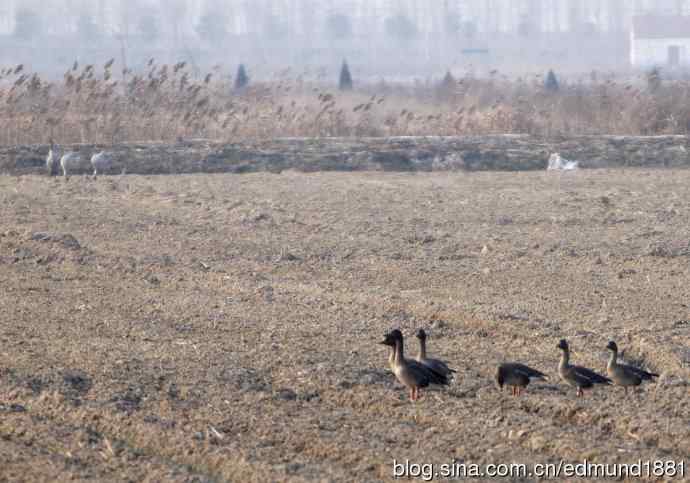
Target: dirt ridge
[{"x": 423, "y": 153}]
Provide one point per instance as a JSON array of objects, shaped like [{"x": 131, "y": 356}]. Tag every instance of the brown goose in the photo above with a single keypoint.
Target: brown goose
[
  {"x": 435, "y": 365},
  {"x": 410, "y": 373},
  {"x": 434, "y": 377},
  {"x": 623, "y": 374},
  {"x": 577, "y": 376},
  {"x": 517, "y": 376}
]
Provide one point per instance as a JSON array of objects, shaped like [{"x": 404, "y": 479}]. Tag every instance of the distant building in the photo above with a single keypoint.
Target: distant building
[{"x": 660, "y": 40}]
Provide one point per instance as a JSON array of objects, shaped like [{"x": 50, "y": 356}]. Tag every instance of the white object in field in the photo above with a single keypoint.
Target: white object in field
[
  {"x": 53, "y": 157},
  {"x": 69, "y": 161},
  {"x": 101, "y": 162},
  {"x": 556, "y": 162}
]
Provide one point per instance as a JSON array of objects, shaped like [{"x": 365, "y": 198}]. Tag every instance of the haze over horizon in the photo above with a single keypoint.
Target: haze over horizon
[{"x": 406, "y": 38}]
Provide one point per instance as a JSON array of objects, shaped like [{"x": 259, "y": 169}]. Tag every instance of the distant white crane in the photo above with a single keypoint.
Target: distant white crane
[
  {"x": 101, "y": 161},
  {"x": 53, "y": 158},
  {"x": 70, "y": 160}
]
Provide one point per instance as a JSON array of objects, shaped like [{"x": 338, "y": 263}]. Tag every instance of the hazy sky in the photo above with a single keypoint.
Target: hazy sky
[
  {"x": 433, "y": 35},
  {"x": 502, "y": 15}
]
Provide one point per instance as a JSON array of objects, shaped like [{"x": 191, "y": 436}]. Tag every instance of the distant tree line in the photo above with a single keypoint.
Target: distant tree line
[
  {"x": 213, "y": 24},
  {"x": 400, "y": 20}
]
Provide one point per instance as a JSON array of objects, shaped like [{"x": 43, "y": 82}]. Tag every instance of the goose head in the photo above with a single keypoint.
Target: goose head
[
  {"x": 563, "y": 345},
  {"x": 612, "y": 346},
  {"x": 391, "y": 338},
  {"x": 421, "y": 335}
]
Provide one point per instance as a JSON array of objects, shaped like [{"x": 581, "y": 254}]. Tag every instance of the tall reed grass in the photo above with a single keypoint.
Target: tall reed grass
[{"x": 92, "y": 104}]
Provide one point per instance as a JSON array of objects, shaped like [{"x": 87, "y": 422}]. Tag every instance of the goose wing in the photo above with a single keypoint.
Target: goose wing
[
  {"x": 438, "y": 366},
  {"x": 641, "y": 373},
  {"x": 413, "y": 375},
  {"x": 590, "y": 375},
  {"x": 433, "y": 376},
  {"x": 574, "y": 378},
  {"x": 623, "y": 376},
  {"x": 526, "y": 371}
]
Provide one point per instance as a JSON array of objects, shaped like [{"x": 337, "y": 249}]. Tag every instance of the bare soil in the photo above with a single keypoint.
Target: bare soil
[{"x": 225, "y": 327}]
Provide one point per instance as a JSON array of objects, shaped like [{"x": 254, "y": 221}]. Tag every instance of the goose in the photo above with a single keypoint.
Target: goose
[
  {"x": 435, "y": 365},
  {"x": 53, "y": 158},
  {"x": 411, "y": 374},
  {"x": 69, "y": 161},
  {"x": 434, "y": 378},
  {"x": 101, "y": 161},
  {"x": 517, "y": 376},
  {"x": 623, "y": 374},
  {"x": 577, "y": 376}
]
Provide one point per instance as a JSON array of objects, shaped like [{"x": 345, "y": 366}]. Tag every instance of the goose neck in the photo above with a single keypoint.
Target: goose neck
[
  {"x": 565, "y": 359},
  {"x": 613, "y": 359},
  {"x": 399, "y": 352},
  {"x": 422, "y": 349}
]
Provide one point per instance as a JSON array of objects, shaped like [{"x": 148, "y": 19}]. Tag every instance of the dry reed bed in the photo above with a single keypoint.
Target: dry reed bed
[{"x": 92, "y": 104}]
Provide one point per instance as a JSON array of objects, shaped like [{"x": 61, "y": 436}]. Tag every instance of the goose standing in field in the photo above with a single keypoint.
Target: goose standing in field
[
  {"x": 434, "y": 377},
  {"x": 517, "y": 376},
  {"x": 577, "y": 376},
  {"x": 623, "y": 374},
  {"x": 411, "y": 374},
  {"x": 69, "y": 161},
  {"x": 435, "y": 365},
  {"x": 53, "y": 158},
  {"x": 101, "y": 161}
]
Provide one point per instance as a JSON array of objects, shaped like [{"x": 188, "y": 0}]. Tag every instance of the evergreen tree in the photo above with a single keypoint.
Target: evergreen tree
[
  {"x": 241, "y": 79},
  {"x": 446, "y": 88},
  {"x": 448, "y": 81},
  {"x": 551, "y": 83},
  {"x": 345, "y": 83}
]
